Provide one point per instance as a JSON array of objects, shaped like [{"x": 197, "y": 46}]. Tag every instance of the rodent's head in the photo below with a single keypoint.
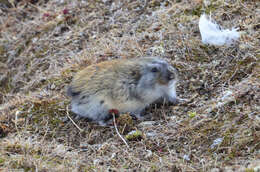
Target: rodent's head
[{"x": 157, "y": 72}]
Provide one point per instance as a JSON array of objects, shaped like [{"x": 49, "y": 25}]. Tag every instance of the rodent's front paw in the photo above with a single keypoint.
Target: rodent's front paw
[
  {"x": 103, "y": 123},
  {"x": 174, "y": 101}
]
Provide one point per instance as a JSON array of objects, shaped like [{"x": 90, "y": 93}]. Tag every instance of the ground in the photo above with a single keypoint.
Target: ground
[{"x": 44, "y": 43}]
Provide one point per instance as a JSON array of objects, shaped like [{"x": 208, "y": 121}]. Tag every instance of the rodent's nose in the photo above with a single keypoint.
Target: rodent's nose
[
  {"x": 171, "y": 73},
  {"x": 170, "y": 76}
]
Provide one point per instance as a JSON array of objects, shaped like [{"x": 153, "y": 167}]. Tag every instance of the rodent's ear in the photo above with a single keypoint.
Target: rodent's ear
[{"x": 135, "y": 74}]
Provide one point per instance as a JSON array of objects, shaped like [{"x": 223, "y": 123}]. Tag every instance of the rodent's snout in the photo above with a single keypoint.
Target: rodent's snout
[{"x": 170, "y": 76}]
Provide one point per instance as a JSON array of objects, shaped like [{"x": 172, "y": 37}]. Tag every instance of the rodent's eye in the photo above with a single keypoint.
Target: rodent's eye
[{"x": 154, "y": 69}]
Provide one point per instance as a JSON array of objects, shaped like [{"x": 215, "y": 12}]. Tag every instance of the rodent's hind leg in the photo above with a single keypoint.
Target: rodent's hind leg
[
  {"x": 107, "y": 118},
  {"x": 107, "y": 121}
]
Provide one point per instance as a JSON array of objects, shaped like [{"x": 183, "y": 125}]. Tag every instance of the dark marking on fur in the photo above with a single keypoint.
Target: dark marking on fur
[
  {"x": 133, "y": 73},
  {"x": 83, "y": 102},
  {"x": 72, "y": 93},
  {"x": 83, "y": 97},
  {"x": 135, "y": 76}
]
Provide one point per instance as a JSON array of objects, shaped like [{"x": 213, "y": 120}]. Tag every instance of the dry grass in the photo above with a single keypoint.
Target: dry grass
[{"x": 43, "y": 44}]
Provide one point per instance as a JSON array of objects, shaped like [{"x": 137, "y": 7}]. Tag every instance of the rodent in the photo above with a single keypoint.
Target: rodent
[{"x": 128, "y": 85}]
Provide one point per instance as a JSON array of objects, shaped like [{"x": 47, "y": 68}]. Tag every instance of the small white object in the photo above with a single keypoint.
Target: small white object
[
  {"x": 147, "y": 123},
  {"x": 186, "y": 157},
  {"x": 149, "y": 154},
  {"x": 113, "y": 156},
  {"x": 17, "y": 113},
  {"x": 151, "y": 134},
  {"x": 227, "y": 97},
  {"x": 213, "y": 34},
  {"x": 96, "y": 161},
  {"x": 216, "y": 142}
]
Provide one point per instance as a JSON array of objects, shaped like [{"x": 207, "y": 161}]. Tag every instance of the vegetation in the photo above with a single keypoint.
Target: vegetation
[{"x": 44, "y": 43}]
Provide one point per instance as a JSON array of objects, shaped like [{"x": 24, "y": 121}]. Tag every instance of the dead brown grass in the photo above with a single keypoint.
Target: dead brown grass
[{"x": 43, "y": 44}]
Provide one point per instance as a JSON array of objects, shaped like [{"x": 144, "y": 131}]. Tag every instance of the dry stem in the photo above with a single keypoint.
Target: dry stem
[{"x": 114, "y": 120}]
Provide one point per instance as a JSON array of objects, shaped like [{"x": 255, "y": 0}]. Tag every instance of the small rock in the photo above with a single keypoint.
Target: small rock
[
  {"x": 96, "y": 161},
  {"x": 186, "y": 157},
  {"x": 147, "y": 123},
  {"x": 52, "y": 86},
  {"x": 149, "y": 154},
  {"x": 214, "y": 170},
  {"x": 255, "y": 165},
  {"x": 151, "y": 134}
]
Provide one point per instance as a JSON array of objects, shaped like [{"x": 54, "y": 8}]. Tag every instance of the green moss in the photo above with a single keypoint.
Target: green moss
[
  {"x": 5, "y": 83},
  {"x": 42, "y": 52},
  {"x": 249, "y": 170},
  {"x": 212, "y": 7},
  {"x": 227, "y": 139},
  {"x": 15, "y": 148},
  {"x": 211, "y": 127},
  {"x": 125, "y": 123},
  {"x": 2, "y": 160},
  {"x": 22, "y": 164},
  {"x": 197, "y": 11},
  {"x": 3, "y": 51},
  {"x": 135, "y": 135},
  {"x": 155, "y": 4},
  {"x": 45, "y": 112},
  {"x": 126, "y": 166},
  {"x": 198, "y": 56},
  {"x": 192, "y": 114},
  {"x": 153, "y": 168},
  {"x": 88, "y": 168}
]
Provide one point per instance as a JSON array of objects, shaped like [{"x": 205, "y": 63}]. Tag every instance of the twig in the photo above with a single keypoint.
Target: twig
[
  {"x": 114, "y": 120},
  {"x": 81, "y": 130}
]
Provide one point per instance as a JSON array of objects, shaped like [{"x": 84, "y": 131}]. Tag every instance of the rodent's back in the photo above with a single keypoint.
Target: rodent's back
[{"x": 107, "y": 77}]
